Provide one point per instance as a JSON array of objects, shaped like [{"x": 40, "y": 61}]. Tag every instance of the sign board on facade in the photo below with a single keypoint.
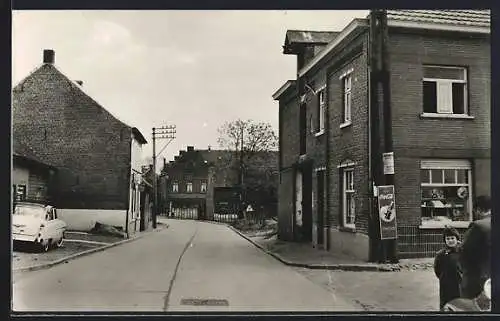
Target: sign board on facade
[
  {"x": 388, "y": 163},
  {"x": 298, "y": 218},
  {"x": 387, "y": 212}
]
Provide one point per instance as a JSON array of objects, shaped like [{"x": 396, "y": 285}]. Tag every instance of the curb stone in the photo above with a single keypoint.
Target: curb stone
[
  {"x": 79, "y": 254},
  {"x": 341, "y": 267}
]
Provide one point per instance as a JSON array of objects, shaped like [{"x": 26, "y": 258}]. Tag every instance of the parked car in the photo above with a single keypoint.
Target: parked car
[{"x": 37, "y": 224}]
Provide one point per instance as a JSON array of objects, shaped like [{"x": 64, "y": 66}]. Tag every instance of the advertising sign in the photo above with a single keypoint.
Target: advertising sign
[
  {"x": 387, "y": 212},
  {"x": 388, "y": 159}
]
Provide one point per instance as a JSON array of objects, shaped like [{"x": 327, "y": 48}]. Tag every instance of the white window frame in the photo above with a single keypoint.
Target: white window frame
[
  {"x": 321, "y": 111},
  {"x": 442, "y": 165},
  {"x": 442, "y": 85},
  {"x": 203, "y": 187},
  {"x": 346, "y": 80},
  {"x": 189, "y": 187},
  {"x": 346, "y": 190},
  {"x": 175, "y": 187}
]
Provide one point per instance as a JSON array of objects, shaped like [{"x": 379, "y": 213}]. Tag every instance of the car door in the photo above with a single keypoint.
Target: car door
[
  {"x": 50, "y": 227},
  {"x": 60, "y": 225}
]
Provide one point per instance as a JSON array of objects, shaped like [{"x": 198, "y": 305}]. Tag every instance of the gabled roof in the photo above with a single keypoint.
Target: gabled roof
[
  {"x": 77, "y": 89},
  {"x": 289, "y": 84},
  {"x": 309, "y": 37},
  {"x": 475, "y": 18}
]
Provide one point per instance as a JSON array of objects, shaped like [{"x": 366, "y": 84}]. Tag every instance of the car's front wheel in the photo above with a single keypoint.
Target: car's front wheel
[
  {"x": 60, "y": 242},
  {"x": 45, "y": 247}
]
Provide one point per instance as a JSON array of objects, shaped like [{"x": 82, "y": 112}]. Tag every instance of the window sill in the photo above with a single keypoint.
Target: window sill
[
  {"x": 348, "y": 228},
  {"x": 439, "y": 225},
  {"x": 446, "y": 116},
  {"x": 321, "y": 132},
  {"x": 346, "y": 124}
]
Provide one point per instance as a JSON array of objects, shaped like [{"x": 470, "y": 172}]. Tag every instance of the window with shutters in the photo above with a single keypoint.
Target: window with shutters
[{"x": 445, "y": 90}]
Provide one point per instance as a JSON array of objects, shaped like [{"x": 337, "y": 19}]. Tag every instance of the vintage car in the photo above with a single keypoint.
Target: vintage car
[{"x": 37, "y": 224}]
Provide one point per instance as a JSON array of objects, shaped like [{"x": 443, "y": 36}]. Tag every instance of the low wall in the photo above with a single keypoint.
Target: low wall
[
  {"x": 84, "y": 219},
  {"x": 353, "y": 244}
]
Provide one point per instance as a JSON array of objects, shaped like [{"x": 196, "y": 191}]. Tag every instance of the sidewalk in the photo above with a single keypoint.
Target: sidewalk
[
  {"x": 76, "y": 244},
  {"x": 305, "y": 256}
]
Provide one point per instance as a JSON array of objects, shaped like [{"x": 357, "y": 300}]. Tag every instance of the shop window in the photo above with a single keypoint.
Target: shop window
[
  {"x": 348, "y": 200},
  {"x": 445, "y": 90},
  {"x": 189, "y": 187},
  {"x": 446, "y": 192},
  {"x": 175, "y": 187},
  {"x": 203, "y": 187}
]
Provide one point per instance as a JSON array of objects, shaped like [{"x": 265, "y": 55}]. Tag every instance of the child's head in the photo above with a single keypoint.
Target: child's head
[{"x": 451, "y": 236}]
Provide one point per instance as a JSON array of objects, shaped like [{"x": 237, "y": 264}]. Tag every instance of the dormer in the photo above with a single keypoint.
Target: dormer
[{"x": 306, "y": 44}]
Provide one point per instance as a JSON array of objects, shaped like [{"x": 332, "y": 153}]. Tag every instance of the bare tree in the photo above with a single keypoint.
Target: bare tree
[{"x": 249, "y": 140}]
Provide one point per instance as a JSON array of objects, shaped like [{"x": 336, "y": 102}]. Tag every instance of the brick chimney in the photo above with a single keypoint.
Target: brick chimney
[
  {"x": 190, "y": 148},
  {"x": 49, "y": 56}
]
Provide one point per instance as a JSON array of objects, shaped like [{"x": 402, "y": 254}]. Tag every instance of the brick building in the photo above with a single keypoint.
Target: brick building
[
  {"x": 188, "y": 183},
  {"x": 440, "y": 103},
  {"x": 97, "y": 156},
  {"x": 32, "y": 179}
]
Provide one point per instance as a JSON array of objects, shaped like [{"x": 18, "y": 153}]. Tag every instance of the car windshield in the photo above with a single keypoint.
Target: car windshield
[{"x": 29, "y": 211}]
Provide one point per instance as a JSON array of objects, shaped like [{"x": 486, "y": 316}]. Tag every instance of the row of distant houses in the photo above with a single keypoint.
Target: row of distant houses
[
  {"x": 439, "y": 76},
  {"x": 197, "y": 181},
  {"x": 69, "y": 151}
]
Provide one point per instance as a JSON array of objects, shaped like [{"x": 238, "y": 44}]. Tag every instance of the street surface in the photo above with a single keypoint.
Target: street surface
[{"x": 191, "y": 266}]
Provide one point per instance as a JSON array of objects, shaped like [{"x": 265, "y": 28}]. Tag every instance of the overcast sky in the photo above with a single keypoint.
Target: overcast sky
[{"x": 194, "y": 69}]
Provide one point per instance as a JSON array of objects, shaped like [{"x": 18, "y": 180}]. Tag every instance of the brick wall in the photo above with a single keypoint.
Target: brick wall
[
  {"x": 415, "y": 138},
  {"x": 349, "y": 143},
  {"x": 68, "y": 129},
  {"x": 286, "y": 204}
]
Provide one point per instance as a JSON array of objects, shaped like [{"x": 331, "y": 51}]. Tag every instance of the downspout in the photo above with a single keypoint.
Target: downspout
[
  {"x": 129, "y": 172},
  {"x": 326, "y": 215},
  {"x": 370, "y": 155}
]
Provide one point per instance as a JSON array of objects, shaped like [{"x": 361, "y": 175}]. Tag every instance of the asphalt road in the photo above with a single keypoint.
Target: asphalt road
[{"x": 191, "y": 266}]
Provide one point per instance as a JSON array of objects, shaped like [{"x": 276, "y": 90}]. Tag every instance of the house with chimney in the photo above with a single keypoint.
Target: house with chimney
[
  {"x": 435, "y": 99},
  {"x": 96, "y": 155},
  {"x": 198, "y": 183}
]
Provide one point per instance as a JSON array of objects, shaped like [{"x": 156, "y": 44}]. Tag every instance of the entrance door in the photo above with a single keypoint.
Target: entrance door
[
  {"x": 321, "y": 205},
  {"x": 307, "y": 221},
  {"x": 298, "y": 199}
]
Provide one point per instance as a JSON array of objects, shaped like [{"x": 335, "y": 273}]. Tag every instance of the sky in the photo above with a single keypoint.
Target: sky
[{"x": 191, "y": 69}]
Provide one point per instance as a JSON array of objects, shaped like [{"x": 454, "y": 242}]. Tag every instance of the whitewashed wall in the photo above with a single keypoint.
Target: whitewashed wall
[{"x": 84, "y": 219}]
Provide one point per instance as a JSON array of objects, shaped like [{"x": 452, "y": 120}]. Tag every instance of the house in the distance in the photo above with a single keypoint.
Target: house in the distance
[
  {"x": 439, "y": 89},
  {"x": 191, "y": 183},
  {"x": 97, "y": 156}
]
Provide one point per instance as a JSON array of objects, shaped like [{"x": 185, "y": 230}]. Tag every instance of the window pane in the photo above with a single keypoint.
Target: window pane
[
  {"x": 458, "y": 98},
  {"x": 444, "y": 73},
  {"x": 430, "y": 97},
  {"x": 437, "y": 176},
  {"x": 462, "y": 176},
  {"x": 424, "y": 176},
  {"x": 449, "y": 176}
]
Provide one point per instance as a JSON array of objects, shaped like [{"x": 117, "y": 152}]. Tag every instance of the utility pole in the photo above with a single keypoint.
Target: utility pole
[
  {"x": 380, "y": 116},
  {"x": 164, "y": 132}
]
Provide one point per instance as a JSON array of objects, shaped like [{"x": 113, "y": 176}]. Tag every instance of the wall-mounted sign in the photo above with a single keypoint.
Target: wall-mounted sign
[
  {"x": 387, "y": 212},
  {"x": 388, "y": 163}
]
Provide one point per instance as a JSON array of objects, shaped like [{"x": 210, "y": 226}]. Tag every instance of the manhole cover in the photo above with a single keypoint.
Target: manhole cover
[{"x": 207, "y": 302}]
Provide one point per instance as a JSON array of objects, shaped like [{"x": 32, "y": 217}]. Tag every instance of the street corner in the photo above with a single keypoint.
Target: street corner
[{"x": 26, "y": 258}]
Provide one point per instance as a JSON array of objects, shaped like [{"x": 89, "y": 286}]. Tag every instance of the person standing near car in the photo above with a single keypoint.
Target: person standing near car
[
  {"x": 446, "y": 267},
  {"x": 475, "y": 251}
]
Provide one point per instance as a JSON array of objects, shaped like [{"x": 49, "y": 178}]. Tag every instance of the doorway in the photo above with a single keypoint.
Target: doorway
[{"x": 321, "y": 205}]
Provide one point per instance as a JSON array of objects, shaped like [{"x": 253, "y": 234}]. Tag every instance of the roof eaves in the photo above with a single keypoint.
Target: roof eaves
[
  {"x": 350, "y": 28},
  {"x": 438, "y": 26},
  {"x": 137, "y": 134},
  {"x": 283, "y": 89}
]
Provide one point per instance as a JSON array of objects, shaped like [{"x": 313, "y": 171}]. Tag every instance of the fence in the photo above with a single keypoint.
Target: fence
[{"x": 415, "y": 242}]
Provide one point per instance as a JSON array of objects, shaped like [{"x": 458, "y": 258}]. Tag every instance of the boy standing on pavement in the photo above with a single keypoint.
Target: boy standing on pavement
[{"x": 446, "y": 267}]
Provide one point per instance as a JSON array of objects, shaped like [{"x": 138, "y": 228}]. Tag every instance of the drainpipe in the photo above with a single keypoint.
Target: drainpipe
[
  {"x": 326, "y": 214},
  {"x": 129, "y": 172}
]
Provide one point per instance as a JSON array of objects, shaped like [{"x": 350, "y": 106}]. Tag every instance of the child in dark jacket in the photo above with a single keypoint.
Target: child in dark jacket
[{"x": 446, "y": 267}]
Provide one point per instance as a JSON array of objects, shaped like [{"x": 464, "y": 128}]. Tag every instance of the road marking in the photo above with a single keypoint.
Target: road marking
[{"x": 188, "y": 244}]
